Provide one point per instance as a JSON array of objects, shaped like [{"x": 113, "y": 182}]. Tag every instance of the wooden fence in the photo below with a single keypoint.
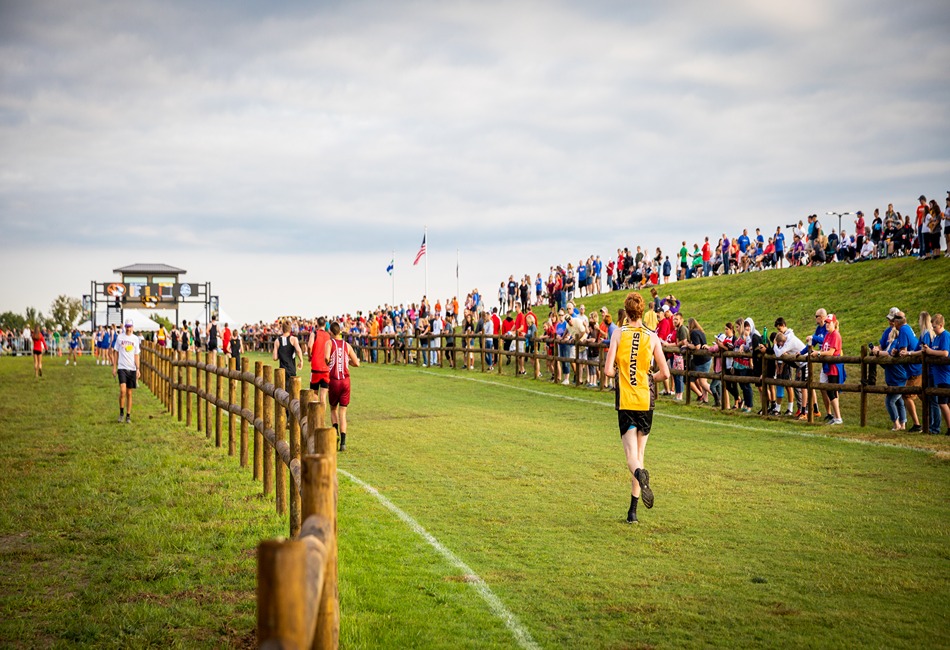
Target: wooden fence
[
  {"x": 297, "y": 589},
  {"x": 392, "y": 349}
]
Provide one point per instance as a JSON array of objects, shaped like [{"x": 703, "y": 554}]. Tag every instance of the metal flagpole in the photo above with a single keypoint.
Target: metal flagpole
[
  {"x": 425, "y": 238},
  {"x": 393, "y": 278},
  {"x": 457, "y": 292}
]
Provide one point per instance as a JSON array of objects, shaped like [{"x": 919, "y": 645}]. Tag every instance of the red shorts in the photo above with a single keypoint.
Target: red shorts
[
  {"x": 319, "y": 379},
  {"x": 339, "y": 393}
]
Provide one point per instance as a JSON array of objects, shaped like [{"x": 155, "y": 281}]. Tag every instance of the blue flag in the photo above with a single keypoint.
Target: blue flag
[{"x": 389, "y": 269}]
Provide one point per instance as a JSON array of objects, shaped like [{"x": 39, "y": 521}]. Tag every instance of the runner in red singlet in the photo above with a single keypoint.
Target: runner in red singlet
[
  {"x": 338, "y": 357},
  {"x": 319, "y": 371}
]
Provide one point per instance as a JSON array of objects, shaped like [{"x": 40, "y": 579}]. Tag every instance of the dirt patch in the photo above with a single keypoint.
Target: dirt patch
[
  {"x": 463, "y": 578},
  {"x": 200, "y": 596},
  {"x": 14, "y": 542},
  {"x": 781, "y": 609}
]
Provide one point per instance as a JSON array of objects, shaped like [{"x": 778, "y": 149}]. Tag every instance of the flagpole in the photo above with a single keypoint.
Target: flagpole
[
  {"x": 393, "y": 278},
  {"x": 425, "y": 238},
  {"x": 457, "y": 292}
]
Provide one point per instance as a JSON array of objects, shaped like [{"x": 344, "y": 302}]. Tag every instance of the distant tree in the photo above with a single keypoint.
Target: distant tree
[
  {"x": 12, "y": 321},
  {"x": 65, "y": 311},
  {"x": 34, "y": 317},
  {"x": 161, "y": 320}
]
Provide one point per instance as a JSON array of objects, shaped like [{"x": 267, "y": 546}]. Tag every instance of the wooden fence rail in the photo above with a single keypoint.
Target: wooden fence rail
[
  {"x": 297, "y": 591},
  {"x": 393, "y": 349}
]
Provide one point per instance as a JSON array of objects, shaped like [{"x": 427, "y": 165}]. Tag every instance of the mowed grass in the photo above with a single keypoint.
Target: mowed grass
[
  {"x": 115, "y": 536},
  {"x": 758, "y": 537},
  {"x": 145, "y": 535}
]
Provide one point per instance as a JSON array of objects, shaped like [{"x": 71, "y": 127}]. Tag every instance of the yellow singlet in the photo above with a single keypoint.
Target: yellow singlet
[{"x": 634, "y": 358}]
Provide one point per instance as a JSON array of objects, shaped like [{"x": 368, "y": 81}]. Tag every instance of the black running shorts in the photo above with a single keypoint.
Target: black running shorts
[
  {"x": 127, "y": 377},
  {"x": 642, "y": 421}
]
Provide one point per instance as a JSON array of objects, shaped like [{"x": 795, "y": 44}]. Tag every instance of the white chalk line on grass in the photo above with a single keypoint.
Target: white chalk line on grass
[
  {"x": 730, "y": 425},
  {"x": 522, "y": 636}
]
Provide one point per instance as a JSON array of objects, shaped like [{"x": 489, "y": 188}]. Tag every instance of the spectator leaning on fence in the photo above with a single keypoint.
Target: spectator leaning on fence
[
  {"x": 816, "y": 340},
  {"x": 931, "y": 414},
  {"x": 786, "y": 343},
  {"x": 700, "y": 360},
  {"x": 940, "y": 374},
  {"x": 908, "y": 343},
  {"x": 895, "y": 375},
  {"x": 833, "y": 372}
]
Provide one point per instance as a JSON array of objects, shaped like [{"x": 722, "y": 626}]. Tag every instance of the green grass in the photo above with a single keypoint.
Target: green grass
[
  {"x": 145, "y": 535},
  {"x": 859, "y": 294},
  {"x": 758, "y": 537},
  {"x": 765, "y": 532}
]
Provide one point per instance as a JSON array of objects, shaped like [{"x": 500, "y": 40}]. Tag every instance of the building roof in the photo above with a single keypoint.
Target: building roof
[{"x": 150, "y": 269}]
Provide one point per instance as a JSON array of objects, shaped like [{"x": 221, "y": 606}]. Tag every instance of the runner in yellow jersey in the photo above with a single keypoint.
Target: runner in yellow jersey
[{"x": 634, "y": 349}]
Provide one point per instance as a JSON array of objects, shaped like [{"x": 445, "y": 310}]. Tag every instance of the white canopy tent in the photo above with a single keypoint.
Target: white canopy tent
[
  {"x": 141, "y": 321},
  {"x": 191, "y": 313}
]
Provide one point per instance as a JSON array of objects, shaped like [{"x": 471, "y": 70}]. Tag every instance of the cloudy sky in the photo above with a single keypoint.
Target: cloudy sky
[{"x": 282, "y": 151}]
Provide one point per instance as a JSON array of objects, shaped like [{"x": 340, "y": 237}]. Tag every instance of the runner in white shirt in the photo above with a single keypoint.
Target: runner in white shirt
[{"x": 125, "y": 366}]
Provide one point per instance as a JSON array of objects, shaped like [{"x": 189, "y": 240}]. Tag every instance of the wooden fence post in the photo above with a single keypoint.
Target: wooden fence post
[
  {"x": 268, "y": 451},
  {"x": 722, "y": 378},
  {"x": 281, "y": 590},
  {"x": 763, "y": 387},
  {"x": 170, "y": 383},
  {"x": 178, "y": 378},
  {"x": 219, "y": 364},
  {"x": 481, "y": 344},
  {"x": 188, "y": 384},
  {"x": 328, "y": 618},
  {"x": 280, "y": 433},
  {"x": 688, "y": 393},
  {"x": 199, "y": 381},
  {"x": 810, "y": 389},
  {"x": 864, "y": 381},
  {"x": 232, "y": 395},
  {"x": 258, "y": 415},
  {"x": 210, "y": 390},
  {"x": 317, "y": 480},
  {"x": 302, "y": 398},
  {"x": 245, "y": 405}
]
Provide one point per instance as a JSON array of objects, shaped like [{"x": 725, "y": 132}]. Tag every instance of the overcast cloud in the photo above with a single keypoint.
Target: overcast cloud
[{"x": 283, "y": 152}]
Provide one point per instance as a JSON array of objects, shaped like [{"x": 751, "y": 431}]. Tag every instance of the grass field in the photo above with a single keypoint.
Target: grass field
[{"x": 115, "y": 536}]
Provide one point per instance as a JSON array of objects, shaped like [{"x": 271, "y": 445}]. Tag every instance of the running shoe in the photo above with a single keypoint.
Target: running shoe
[
  {"x": 128, "y": 418},
  {"x": 121, "y": 418},
  {"x": 915, "y": 429},
  {"x": 836, "y": 421},
  {"x": 632, "y": 517},
  {"x": 646, "y": 492}
]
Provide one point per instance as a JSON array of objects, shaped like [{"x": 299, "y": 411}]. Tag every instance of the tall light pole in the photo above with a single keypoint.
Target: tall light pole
[{"x": 839, "y": 215}]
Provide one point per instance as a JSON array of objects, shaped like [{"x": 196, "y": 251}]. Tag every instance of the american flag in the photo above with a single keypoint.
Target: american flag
[{"x": 422, "y": 251}]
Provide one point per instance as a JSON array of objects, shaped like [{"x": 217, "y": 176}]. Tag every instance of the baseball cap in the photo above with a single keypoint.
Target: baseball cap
[
  {"x": 129, "y": 323},
  {"x": 830, "y": 318},
  {"x": 921, "y": 198},
  {"x": 892, "y": 314},
  {"x": 665, "y": 308}
]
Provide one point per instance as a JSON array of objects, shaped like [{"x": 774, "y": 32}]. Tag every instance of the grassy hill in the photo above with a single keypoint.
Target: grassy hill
[{"x": 859, "y": 294}]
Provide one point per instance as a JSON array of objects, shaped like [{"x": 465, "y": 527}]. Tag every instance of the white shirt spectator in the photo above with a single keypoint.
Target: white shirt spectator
[{"x": 792, "y": 345}]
